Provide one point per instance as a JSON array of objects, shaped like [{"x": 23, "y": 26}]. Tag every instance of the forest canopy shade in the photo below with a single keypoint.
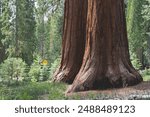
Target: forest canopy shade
[{"x": 106, "y": 61}]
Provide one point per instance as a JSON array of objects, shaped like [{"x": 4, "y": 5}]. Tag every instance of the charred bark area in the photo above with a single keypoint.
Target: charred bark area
[
  {"x": 106, "y": 62},
  {"x": 73, "y": 45}
]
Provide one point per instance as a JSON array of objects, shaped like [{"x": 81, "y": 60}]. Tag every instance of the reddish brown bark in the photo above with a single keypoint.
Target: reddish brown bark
[
  {"x": 73, "y": 40},
  {"x": 106, "y": 61}
]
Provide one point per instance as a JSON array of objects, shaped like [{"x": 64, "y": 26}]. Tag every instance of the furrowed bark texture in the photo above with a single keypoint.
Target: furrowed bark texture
[
  {"x": 73, "y": 45},
  {"x": 106, "y": 62}
]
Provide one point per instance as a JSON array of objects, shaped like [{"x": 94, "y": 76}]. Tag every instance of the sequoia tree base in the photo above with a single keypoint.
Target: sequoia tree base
[{"x": 91, "y": 80}]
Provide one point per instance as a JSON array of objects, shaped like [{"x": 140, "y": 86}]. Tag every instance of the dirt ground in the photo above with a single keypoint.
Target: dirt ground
[{"x": 138, "y": 92}]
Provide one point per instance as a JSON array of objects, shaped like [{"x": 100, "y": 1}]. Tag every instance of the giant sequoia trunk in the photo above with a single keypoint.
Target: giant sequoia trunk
[
  {"x": 73, "y": 40},
  {"x": 106, "y": 62}
]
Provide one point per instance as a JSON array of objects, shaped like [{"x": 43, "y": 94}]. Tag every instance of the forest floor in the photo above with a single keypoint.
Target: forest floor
[
  {"x": 138, "y": 92},
  {"x": 56, "y": 91}
]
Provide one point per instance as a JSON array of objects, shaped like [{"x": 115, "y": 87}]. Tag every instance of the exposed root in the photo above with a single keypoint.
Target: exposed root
[
  {"x": 92, "y": 82},
  {"x": 66, "y": 76}
]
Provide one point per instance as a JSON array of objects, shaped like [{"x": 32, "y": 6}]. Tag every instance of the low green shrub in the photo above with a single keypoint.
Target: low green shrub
[
  {"x": 12, "y": 71},
  {"x": 39, "y": 72},
  {"x": 135, "y": 62},
  {"x": 145, "y": 74}
]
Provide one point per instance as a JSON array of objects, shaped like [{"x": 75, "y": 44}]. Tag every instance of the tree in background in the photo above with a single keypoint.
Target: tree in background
[
  {"x": 136, "y": 30},
  {"x": 49, "y": 18},
  {"x": 55, "y": 22},
  {"x": 26, "y": 25},
  {"x": 5, "y": 26},
  {"x": 2, "y": 50},
  {"x": 146, "y": 25},
  {"x": 49, "y": 15},
  {"x": 18, "y": 28},
  {"x": 42, "y": 6},
  {"x": 30, "y": 41},
  {"x": 25, "y": 30},
  {"x": 106, "y": 60}
]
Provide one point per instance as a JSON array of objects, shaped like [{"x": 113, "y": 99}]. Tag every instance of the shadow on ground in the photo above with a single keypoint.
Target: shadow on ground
[{"x": 138, "y": 92}]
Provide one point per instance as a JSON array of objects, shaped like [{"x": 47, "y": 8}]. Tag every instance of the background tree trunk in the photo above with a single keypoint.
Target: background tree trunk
[
  {"x": 73, "y": 40},
  {"x": 106, "y": 61},
  {"x": 2, "y": 52}
]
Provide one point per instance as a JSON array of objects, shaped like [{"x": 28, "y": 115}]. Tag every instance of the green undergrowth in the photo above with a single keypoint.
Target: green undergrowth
[
  {"x": 146, "y": 77},
  {"x": 47, "y": 91},
  {"x": 145, "y": 74},
  {"x": 33, "y": 91}
]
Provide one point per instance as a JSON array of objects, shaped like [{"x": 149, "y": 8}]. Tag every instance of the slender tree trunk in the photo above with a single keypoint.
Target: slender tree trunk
[
  {"x": 42, "y": 37},
  {"x": 2, "y": 52},
  {"x": 106, "y": 61},
  {"x": 51, "y": 40},
  {"x": 140, "y": 56},
  {"x": 17, "y": 49},
  {"x": 73, "y": 40}
]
